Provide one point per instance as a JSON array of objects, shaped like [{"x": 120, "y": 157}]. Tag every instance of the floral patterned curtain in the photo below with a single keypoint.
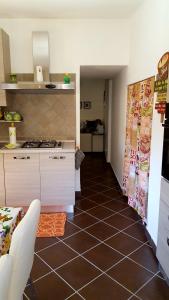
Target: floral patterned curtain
[{"x": 138, "y": 140}]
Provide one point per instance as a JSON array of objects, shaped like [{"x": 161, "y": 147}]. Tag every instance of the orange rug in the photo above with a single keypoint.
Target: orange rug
[{"x": 51, "y": 225}]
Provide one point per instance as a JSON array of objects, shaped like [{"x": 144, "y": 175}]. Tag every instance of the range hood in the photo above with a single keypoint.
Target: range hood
[
  {"x": 23, "y": 85},
  {"x": 40, "y": 51}
]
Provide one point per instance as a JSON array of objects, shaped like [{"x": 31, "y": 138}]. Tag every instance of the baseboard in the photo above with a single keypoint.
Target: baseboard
[
  {"x": 77, "y": 195},
  {"x": 153, "y": 245}
]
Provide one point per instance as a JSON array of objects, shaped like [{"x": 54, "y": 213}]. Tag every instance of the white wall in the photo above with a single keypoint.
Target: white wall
[
  {"x": 72, "y": 43},
  {"x": 149, "y": 41},
  {"x": 92, "y": 90},
  {"x": 118, "y": 124}
]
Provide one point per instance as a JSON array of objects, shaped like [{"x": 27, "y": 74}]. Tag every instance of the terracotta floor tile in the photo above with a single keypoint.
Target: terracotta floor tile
[
  {"x": 101, "y": 231},
  {"x": 76, "y": 211},
  {"x": 100, "y": 198},
  {"x": 100, "y": 188},
  {"x": 85, "y": 204},
  {"x": 84, "y": 220},
  {"x": 69, "y": 230},
  {"x": 116, "y": 206},
  {"x": 145, "y": 257},
  {"x": 112, "y": 193},
  {"x": 57, "y": 255},
  {"x": 100, "y": 212},
  {"x": 39, "y": 268},
  {"x": 131, "y": 213},
  {"x": 130, "y": 275},
  {"x": 47, "y": 287},
  {"x": 137, "y": 230},
  {"x": 81, "y": 241},
  {"x": 103, "y": 288},
  {"x": 123, "y": 243},
  {"x": 119, "y": 222},
  {"x": 103, "y": 256},
  {"x": 75, "y": 297},
  {"x": 78, "y": 272},
  {"x": 156, "y": 289},
  {"x": 42, "y": 243},
  {"x": 87, "y": 192}
]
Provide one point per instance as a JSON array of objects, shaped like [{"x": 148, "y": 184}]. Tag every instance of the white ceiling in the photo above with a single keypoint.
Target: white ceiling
[
  {"x": 68, "y": 8},
  {"x": 99, "y": 72}
]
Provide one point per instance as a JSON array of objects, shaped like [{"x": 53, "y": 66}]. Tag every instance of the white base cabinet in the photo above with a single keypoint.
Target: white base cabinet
[
  {"x": 22, "y": 179},
  {"x": 163, "y": 228},
  {"x": 49, "y": 177},
  {"x": 57, "y": 179}
]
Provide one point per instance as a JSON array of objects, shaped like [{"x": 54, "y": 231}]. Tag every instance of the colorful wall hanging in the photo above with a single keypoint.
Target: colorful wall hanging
[
  {"x": 160, "y": 85},
  {"x": 137, "y": 148}
]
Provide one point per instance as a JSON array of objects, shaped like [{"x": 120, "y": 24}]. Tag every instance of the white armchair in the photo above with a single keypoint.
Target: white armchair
[{"x": 22, "y": 252}]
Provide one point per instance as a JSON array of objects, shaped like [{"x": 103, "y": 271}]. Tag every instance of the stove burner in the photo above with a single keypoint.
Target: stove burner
[
  {"x": 42, "y": 144},
  {"x": 31, "y": 144},
  {"x": 47, "y": 144}
]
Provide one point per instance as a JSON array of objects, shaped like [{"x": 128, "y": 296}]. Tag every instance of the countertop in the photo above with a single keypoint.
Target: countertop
[{"x": 68, "y": 146}]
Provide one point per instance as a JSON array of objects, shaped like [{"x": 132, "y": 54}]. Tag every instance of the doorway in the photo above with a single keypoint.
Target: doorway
[{"x": 96, "y": 84}]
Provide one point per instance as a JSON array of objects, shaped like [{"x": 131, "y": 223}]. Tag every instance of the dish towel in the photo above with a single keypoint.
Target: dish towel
[{"x": 79, "y": 156}]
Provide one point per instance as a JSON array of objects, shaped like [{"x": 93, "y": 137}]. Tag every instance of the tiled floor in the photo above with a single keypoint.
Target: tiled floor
[{"x": 104, "y": 254}]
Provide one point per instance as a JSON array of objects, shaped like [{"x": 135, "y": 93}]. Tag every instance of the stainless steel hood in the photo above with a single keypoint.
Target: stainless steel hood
[
  {"x": 40, "y": 51},
  {"x": 23, "y": 85}
]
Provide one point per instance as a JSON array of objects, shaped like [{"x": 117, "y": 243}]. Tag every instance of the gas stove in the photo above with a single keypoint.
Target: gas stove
[{"x": 43, "y": 144}]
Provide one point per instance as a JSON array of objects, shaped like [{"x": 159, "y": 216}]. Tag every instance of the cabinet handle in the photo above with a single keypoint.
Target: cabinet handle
[
  {"x": 21, "y": 157},
  {"x": 168, "y": 241},
  {"x": 57, "y": 157}
]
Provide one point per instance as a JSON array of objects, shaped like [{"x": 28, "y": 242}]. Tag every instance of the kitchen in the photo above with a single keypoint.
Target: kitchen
[
  {"x": 44, "y": 134},
  {"x": 115, "y": 41}
]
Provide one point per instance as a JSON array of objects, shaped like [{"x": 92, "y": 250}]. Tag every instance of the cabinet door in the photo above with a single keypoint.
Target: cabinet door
[
  {"x": 57, "y": 179},
  {"x": 22, "y": 178},
  {"x": 2, "y": 184}
]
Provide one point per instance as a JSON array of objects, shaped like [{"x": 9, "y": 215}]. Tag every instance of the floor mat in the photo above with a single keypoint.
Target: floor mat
[{"x": 51, "y": 225}]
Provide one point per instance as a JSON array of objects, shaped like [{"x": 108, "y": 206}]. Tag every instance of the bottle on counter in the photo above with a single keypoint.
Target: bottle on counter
[
  {"x": 12, "y": 134},
  {"x": 66, "y": 78}
]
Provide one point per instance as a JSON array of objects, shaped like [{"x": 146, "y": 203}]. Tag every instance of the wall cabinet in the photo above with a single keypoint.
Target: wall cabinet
[
  {"x": 22, "y": 178},
  {"x": 57, "y": 178},
  {"x": 163, "y": 228}
]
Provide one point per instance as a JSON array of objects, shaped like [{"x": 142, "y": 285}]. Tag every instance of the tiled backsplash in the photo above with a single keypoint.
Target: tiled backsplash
[{"x": 45, "y": 115}]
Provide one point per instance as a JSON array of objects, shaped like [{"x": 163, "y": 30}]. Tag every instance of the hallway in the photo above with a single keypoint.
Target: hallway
[{"x": 104, "y": 253}]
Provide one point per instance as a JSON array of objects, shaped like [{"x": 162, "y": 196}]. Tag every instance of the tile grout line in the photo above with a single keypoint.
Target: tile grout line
[
  {"x": 26, "y": 296},
  {"x": 103, "y": 242},
  {"x": 102, "y": 272},
  {"x": 47, "y": 247},
  {"x": 150, "y": 279},
  {"x": 52, "y": 270},
  {"x": 119, "y": 231}
]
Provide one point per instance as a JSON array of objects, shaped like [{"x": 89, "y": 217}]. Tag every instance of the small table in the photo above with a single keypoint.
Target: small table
[{"x": 9, "y": 219}]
